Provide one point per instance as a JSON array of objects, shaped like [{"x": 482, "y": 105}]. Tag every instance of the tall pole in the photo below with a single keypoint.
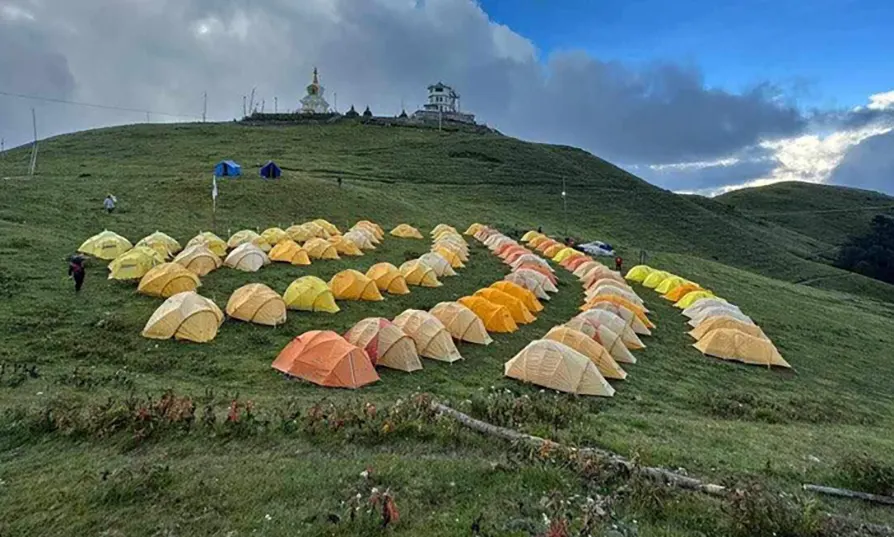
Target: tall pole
[
  {"x": 336, "y": 101},
  {"x": 251, "y": 101},
  {"x": 243, "y": 107},
  {"x": 3, "y": 147},
  {"x": 276, "y": 105},
  {"x": 33, "y": 165},
  {"x": 204, "y": 106},
  {"x": 263, "y": 104},
  {"x": 565, "y": 206}
]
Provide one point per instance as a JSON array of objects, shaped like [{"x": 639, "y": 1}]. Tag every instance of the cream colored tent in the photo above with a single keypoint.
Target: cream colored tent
[
  {"x": 725, "y": 321},
  {"x": 730, "y": 344},
  {"x": 695, "y": 309},
  {"x": 450, "y": 255},
  {"x": 474, "y": 228},
  {"x": 717, "y": 311},
  {"x": 211, "y": 241},
  {"x": 587, "y": 346},
  {"x": 330, "y": 228},
  {"x": 431, "y": 336},
  {"x": 617, "y": 325},
  {"x": 248, "y": 236},
  {"x": 185, "y": 316},
  {"x": 531, "y": 258},
  {"x": 199, "y": 259},
  {"x": 416, "y": 272},
  {"x": 274, "y": 235},
  {"x": 609, "y": 289},
  {"x": 558, "y": 367},
  {"x": 354, "y": 285},
  {"x": 316, "y": 230},
  {"x": 462, "y": 323},
  {"x": 257, "y": 303},
  {"x": 376, "y": 229},
  {"x": 318, "y": 248},
  {"x": 626, "y": 314},
  {"x": 603, "y": 335},
  {"x": 168, "y": 279},
  {"x": 300, "y": 233},
  {"x": 310, "y": 293},
  {"x": 581, "y": 271},
  {"x": 388, "y": 279},
  {"x": 406, "y": 231},
  {"x": 442, "y": 227},
  {"x": 247, "y": 257},
  {"x": 437, "y": 262},
  {"x": 532, "y": 281},
  {"x": 363, "y": 238},
  {"x": 345, "y": 246},
  {"x": 385, "y": 344},
  {"x": 288, "y": 251}
]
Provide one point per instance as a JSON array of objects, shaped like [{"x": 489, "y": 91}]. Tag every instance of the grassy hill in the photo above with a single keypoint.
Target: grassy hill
[
  {"x": 829, "y": 214},
  {"x": 76, "y": 370}
]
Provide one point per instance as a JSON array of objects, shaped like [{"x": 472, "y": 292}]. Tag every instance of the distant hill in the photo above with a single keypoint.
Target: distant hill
[{"x": 829, "y": 214}]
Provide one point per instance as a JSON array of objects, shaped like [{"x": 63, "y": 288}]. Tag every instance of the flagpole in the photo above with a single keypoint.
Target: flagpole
[{"x": 214, "y": 204}]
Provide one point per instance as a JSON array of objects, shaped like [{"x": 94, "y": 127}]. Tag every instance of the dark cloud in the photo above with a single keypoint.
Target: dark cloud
[
  {"x": 162, "y": 55},
  {"x": 869, "y": 165}
]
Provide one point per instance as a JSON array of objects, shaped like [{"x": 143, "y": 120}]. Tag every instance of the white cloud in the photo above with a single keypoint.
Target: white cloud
[
  {"x": 13, "y": 13},
  {"x": 882, "y": 101}
]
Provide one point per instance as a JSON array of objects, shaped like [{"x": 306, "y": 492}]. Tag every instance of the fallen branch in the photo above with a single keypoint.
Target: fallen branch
[
  {"x": 845, "y": 493},
  {"x": 661, "y": 474}
]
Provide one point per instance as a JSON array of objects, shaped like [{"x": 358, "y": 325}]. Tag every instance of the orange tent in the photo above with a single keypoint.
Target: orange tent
[
  {"x": 325, "y": 358},
  {"x": 506, "y": 246},
  {"x": 572, "y": 263},
  {"x": 680, "y": 291},
  {"x": 531, "y": 258},
  {"x": 538, "y": 240},
  {"x": 553, "y": 250},
  {"x": 528, "y": 298},
  {"x": 288, "y": 251},
  {"x": 543, "y": 246},
  {"x": 602, "y": 273},
  {"x": 520, "y": 313},
  {"x": 513, "y": 255},
  {"x": 496, "y": 317}
]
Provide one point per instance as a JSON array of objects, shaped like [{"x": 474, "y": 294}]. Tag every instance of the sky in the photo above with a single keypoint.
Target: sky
[{"x": 694, "y": 96}]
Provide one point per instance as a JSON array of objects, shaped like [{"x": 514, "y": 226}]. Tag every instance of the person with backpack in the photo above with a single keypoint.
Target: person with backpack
[
  {"x": 76, "y": 271},
  {"x": 109, "y": 203}
]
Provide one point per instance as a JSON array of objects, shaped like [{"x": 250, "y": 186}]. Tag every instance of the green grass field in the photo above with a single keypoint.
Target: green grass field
[{"x": 72, "y": 462}]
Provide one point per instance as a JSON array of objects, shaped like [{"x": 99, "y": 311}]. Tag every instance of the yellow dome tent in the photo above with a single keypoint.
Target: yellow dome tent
[
  {"x": 248, "y": 236},
  {"x": 655, "y": 278},
  {"x": 247, "y": 257},
  {"x": 680, "y": 291},
  {"x": 527, "y": 297},
  {"x": 451, "y": 256},
  {"x": 327, "y": 226},
  {"x": 730, "y": 344},
  {"x": 363, "y": 238},
  {"x": 496, "y": 318},
  {"x": 167, "y": 280},
  {"x": 553, "y": 250},
  {"x": 257, "y": 303},
  {"x": 430, "y": 335},
  {"x": 318, "y": 248},
  {"x": 441, "y": 228},
  {"x": 416, "y": 272},
  {"x": 461, "y": 252},
  {"x": 153, "y": 243},
  {"x": 406, "y": 231},
  {"x": 385, "y": 344},
  {"x": 726, "y": 321},
  {"x": 565, "y": 253},
  {"x": 603, "y": 335},
  {"x": 691, "y": 298},
  {"x": 310, "y": 293},
  {"x": 617, "y": 325},
  {"x": 185, "y": 316},
  {"x": 388, "y": 279},
  {"x": 532, "y": 281},
  {"x": 375, "y": 228},
  {"x": 669, "y": 283},
  {"x": 354, "y": 285},
  {"x": 199, "y": 259},
  {"x": 537, "y": 241},
  {"x": 316, "y": 230},
  {"x": 170, "y": 242},
  {"x": 530, "y": 235},
  {"x": 133, "y": 264},
  {"x": 518, "y": 310},
  {"x": 299, "y": 233},
  {"x": 288, "y": 251},
  {"x": 587, "y": 346},
  {"x": 274, "y": 235},
  {"x": 462, "y": 323},
  {"x": 345, "y": 246},
  {"x": 474, "y": 228},
  {"x": 106, "y": 245},
  {"x": 438, "y": 263},
  {"x": 558, "y": 367},
  {"x": 210, "y": 241},
  {"x": 639, "y": 273}
]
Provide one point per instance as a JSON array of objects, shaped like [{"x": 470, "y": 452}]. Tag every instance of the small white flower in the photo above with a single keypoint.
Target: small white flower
[
  {"x": 452, "y": 483},
  {"x": 39, "y": 393},
  {"x": 375, "y": 490},
  {"x": 364, "y": 474},
  {"x": 268, "y": 517}
]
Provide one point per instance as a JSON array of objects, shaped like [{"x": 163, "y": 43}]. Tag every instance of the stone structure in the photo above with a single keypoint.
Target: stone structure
[
  {"x": 443, "y": 105},
  {"x": 313, "y": 102}
]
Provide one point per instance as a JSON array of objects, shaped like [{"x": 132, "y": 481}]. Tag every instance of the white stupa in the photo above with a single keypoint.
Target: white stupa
[{"x": 313, "y": 102}]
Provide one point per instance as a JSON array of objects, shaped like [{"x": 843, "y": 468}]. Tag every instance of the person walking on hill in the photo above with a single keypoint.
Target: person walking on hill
[
  {"x": 109, "y": 203},
  {"x": 619, "y": 264},
  {"x": 76, "y": 271}
]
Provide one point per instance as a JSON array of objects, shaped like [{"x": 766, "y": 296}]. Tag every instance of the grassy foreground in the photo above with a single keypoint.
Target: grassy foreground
[{"x": 74, "y": 460}]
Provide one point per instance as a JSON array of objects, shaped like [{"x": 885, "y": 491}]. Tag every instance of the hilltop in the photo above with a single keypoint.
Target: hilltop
[{"x": 76, "y": 369}]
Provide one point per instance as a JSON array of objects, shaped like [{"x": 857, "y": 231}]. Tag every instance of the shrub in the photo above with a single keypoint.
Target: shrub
[{"x": 866, "y": 474}]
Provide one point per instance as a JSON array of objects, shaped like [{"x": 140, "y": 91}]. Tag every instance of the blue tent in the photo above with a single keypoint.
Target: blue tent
[
  {"x": 227, "y": 168},
  {"x": 270, "y": 171}
]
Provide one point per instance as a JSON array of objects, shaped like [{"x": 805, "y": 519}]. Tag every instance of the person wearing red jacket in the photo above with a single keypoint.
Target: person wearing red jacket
[{"x": 76, "y": 271}]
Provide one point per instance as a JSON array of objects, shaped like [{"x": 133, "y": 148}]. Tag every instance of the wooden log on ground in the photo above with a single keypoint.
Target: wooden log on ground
[{"x": 854, "y": 494}]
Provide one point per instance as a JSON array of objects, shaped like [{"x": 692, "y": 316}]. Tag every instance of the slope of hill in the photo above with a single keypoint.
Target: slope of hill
[
  {"x": 83, "y": 451},
  {"x": 829, "y": 214}
]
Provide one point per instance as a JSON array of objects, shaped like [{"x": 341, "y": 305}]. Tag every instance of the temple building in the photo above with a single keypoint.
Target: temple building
[
  {"x": 443, "y": 105},
  {"x": 313, "y": 102}
]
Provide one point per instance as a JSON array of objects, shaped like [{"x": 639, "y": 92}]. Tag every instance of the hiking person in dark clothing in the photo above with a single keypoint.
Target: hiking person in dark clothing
[
  {"x": 76, "y": 271},
  {"x": 539, "y": 229},
  {"x": 619, "y": 263}
]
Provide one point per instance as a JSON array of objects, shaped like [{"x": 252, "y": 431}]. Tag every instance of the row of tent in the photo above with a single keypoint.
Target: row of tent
[
  {"x": 576, "y": 357},
  {"x": 231, "y": 168},
  {"x": 719, "y": 328}
]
